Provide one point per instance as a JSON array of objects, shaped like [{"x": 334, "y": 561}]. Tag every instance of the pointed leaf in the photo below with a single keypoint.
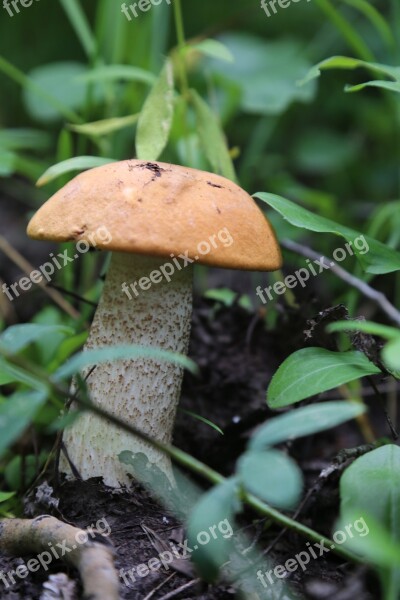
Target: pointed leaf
[
  {"x": 311, "y": 371},
  {"x": 304, "y": 421},
  {"x": 155, "y": 120},
  {"x": 373, "y": 256}
]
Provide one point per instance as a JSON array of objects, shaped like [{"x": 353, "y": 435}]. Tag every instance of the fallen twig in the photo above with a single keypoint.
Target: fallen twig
[{"x": 93, "y": 559}]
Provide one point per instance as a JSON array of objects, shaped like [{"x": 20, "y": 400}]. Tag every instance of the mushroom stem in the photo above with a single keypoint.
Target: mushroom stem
[{"x": 154, "y": 311}]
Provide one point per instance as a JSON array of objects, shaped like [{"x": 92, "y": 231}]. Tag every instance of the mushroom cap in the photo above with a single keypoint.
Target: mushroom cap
[{"x": 159, "y": 209}]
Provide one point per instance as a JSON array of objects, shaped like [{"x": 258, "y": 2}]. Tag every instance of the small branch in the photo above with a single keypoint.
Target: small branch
[
  {"x": 93, "y": 559},
  {"x": 377, "y": 297},
  {"x": 27, "y": 268}
]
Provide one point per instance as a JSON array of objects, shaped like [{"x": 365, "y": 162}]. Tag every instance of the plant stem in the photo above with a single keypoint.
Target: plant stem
[
  {"x": 182, "y": 458},
  {"x": 180, "y": 33}
]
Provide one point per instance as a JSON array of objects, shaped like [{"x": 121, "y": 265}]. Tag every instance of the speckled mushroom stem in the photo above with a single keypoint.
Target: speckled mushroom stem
[{"x": 143, "y": 392}]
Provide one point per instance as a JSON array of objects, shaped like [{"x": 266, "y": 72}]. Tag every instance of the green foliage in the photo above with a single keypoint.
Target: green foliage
[
  {"x": 311, "y": 371},
  {"x": 155, "y": 120},
  {"x": 307, "y": 421},
  {"x": 377, "y": 259},
  {"x": 370, "y": 489}
]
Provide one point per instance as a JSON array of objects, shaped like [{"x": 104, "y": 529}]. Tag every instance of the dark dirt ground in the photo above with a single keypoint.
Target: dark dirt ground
[{"x": 237, "y": 358}]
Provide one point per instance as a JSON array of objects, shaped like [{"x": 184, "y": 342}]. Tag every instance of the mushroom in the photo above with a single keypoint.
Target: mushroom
[{"x": 160, "y": 220}]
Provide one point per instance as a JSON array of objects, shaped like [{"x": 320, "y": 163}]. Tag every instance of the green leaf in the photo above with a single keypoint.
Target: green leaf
[
  {"x": 212, "y": 138},
  {"x": 156, "y": 117},
  {"x": 8, "y": 163},
  {"x": 113, "y": 353},
  {"x": 370, "y": 488},
  {"x": 60, "y": 81},
  {"x": 15, "y": 415},
  {"x": 391, "y": 355},
  {"x": 372, "y": 541},
  {"x": 118, "y": 73},
  {"x": 4, "y": 496},
  {"x": 266, "y": 72},
  {"x": 24, "y": 139},
  {"x": 304, "y": 421},
  {"x": 344, "y": 62},
  {"x": 15, "y": 374},
  {"x": 271, "y": 476},
  {"x": 373, "y": 256},
  {"x": 78, "y": 163},
  {"x": 214, "y": 49},
  {"x": 311, "y": 371},
  {"x": 390, "y": 333},
  {"x": 16, "y": 338},
  {"x": 203, "y": 420},
  {"x": 214, "y": 512},
  {"x": 5, "y": 378},
  {"x": 105, "y": 126}
]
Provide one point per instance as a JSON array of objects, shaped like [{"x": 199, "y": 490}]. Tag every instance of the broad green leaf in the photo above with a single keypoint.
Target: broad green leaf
[
  {"x": 15, "y": 415},
  {"x": 215, "y": 511},
  {"x": 212, "y": 138},
  {"x": 16, "y": 338},
  {"x": 271, "y": 476},
  {"x": 60, "y": 81},
  {"x": 391, "y": 355},
  {"x": 4, "y": 496},
  {"x": 5, "y": 378},
  {"x": 370, "y": 488},
  {"x": 8, "y": 163},
  {"x": 373, "y": 256},
  {"x": 118, "y": 73},
  {"x": 214, "y": 49},
  {"x": 304, "y": 421},
  {"x": 344, "y": 62},
  {"x": 265, "y": 71},
  {"x": 89, "y": 358},
  {"x": 105, "y": 126},
  {"x": 311, "y": 371},
  {"x": 368, "y": 538},
  {"x": 78, "y": 163},
  {"x": 156, "y": 117}
]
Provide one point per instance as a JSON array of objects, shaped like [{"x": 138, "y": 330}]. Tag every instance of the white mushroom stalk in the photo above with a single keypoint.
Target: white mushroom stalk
[{"x": 143, "y": 392}]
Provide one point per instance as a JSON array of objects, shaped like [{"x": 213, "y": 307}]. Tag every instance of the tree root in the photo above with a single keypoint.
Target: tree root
[{"x": 49, "y": 537}]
